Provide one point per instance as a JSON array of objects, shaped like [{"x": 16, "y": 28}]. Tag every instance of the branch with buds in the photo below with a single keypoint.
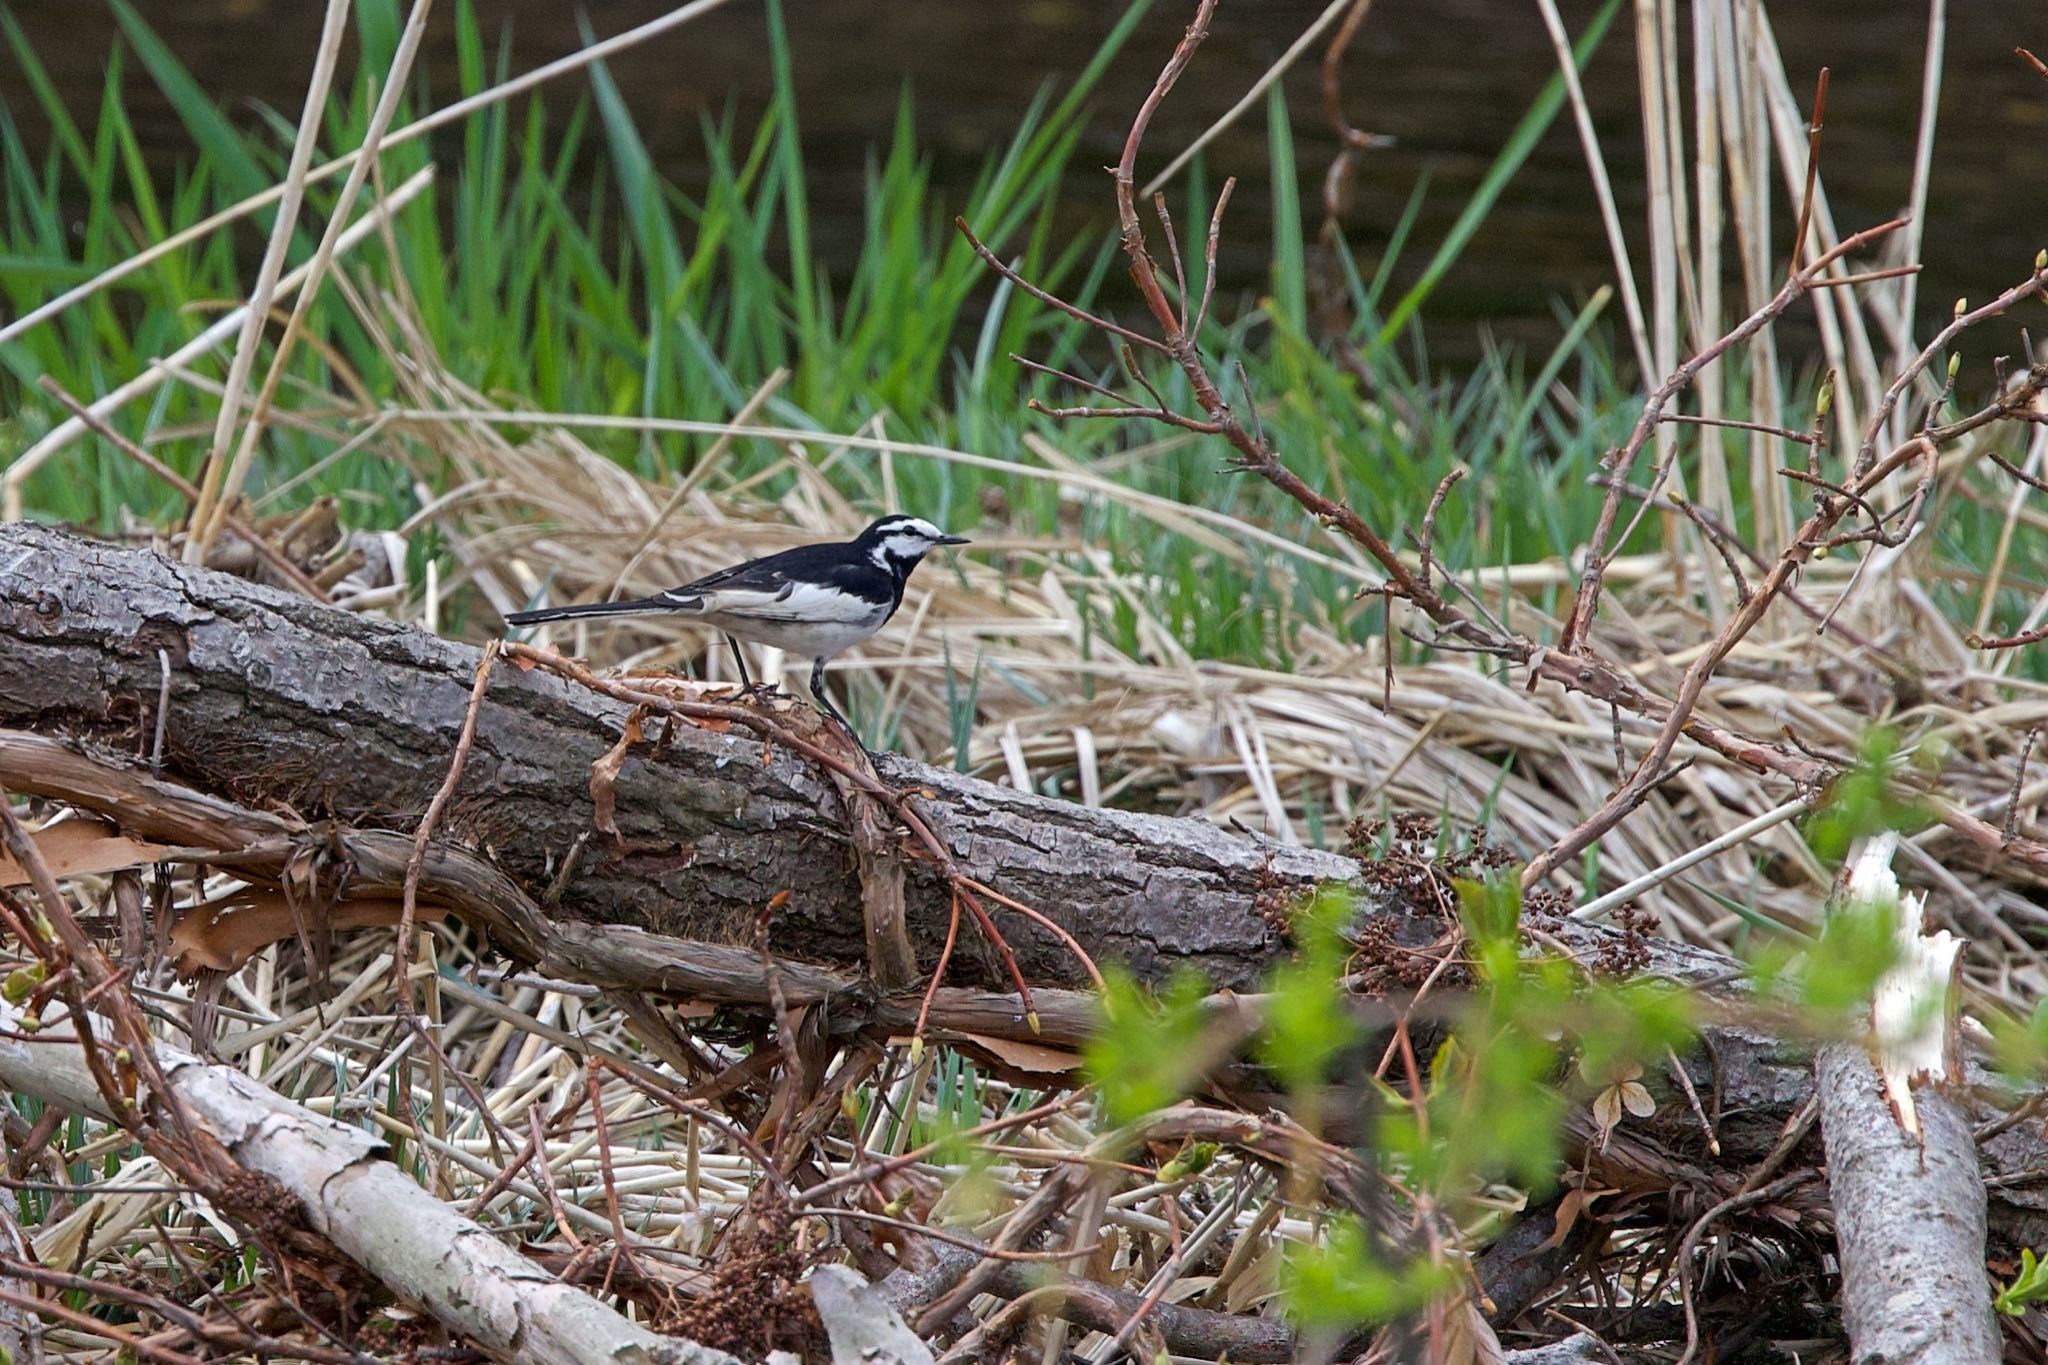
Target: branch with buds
[{"x": 1571, "y": 661}]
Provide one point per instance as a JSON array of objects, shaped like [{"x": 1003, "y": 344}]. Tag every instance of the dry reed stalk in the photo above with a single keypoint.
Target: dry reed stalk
[
  {"x": 204, "y": 531},
  {"x": 420, "y": 127},
  {"x": 71, "y": 428},
  {"x": 1916, "y": 203},
  {"x": 1709, "y": 161},
  {"x": 1603, "y": 189},
  {"x": 203, "y": 520}
]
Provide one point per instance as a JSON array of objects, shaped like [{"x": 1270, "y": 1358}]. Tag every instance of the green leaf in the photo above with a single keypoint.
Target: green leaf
[
  {"x": 230, "y": 151},
  {"x": 1290, "y": 272},
  {"x": 1864, "y": 800},
  {"x": 22, "y": 982},
  {"x": 1342, "y": 1284},
  {"x": 1858, "y": 945},
  {"x": 1148, "y": 1053},
  {"x": 1308, "y": 1020},
  {"x": 2029, "y": 1287},
  {"x": 1492, "y": 914}
]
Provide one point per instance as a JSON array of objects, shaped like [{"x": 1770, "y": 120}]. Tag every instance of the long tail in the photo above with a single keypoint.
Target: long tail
[{"x": 638, "y": 606}]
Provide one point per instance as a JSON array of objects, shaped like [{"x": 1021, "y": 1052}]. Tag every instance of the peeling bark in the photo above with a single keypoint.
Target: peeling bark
[{"x": 376, "y": 1215}]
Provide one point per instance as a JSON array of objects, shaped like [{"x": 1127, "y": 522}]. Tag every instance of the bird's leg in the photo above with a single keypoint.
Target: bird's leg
[
  {"x": 824, "y": 701},
  {"x": 748, "y": 687}
]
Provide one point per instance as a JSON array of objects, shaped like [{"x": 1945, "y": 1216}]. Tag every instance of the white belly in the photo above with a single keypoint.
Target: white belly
[{"x": 809, "y": 623}]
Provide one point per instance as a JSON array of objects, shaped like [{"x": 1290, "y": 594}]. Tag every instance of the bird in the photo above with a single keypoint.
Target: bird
[{"x": 814, "y": 601}]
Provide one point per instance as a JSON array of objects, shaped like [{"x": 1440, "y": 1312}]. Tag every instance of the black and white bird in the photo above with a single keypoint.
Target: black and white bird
[{"x": 814, "y": 601}]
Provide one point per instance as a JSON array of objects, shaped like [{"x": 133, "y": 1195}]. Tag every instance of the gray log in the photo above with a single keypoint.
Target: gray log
[
  {"x": 277, "y": 700},
  {"x": 1910, "y": 1221}
]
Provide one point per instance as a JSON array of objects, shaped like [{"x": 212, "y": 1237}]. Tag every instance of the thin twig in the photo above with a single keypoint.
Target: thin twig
[
  {"x": 1053, "y": 300},
  {"x": 1782, "y": 433},
  {"x": 401, "y": 952},
  {"x": 1820, "y": 103},
  {"x": 2019, "y": 782},
  {"x": 98, "y": 425},
  {"x": 1733, "y": 1204}
]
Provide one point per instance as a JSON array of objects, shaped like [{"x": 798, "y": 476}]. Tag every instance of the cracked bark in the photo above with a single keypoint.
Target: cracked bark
[
  {"x": 280, "y": 702},
  {"x": 377, "y": 1216}
]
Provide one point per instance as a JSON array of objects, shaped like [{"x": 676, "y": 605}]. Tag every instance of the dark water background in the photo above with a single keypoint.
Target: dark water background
[{"x": 1447, "y": 79}]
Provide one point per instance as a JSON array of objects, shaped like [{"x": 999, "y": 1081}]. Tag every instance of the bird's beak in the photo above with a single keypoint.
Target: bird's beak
[{"x": 954, "y": 540}]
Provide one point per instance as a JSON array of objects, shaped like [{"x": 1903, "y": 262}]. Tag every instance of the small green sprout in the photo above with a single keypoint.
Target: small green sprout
[{"x": 2030, "y": 1286}]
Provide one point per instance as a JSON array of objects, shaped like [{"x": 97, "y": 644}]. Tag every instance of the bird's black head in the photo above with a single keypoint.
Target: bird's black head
[{"x": 897, "y": 542}]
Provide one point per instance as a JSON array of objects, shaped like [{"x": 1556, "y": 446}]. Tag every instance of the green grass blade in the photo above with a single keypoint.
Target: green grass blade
[
  {"x": 1527, "y": 134},
  {"x": 1290, "y": 273},
  {"x": 209, "y": 128}
]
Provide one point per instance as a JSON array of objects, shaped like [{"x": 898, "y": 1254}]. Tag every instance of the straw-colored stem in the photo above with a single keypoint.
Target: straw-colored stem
[
  {"x": 267, "y": 274},
  {"x": 418, "y": 128},
  {"x": 323, "y": 257},
  {"x": 1923, "y": 167},
  {"x": 1708, "y": 135},
  {"x": 70, "y": 429},
  {"x": 1603, "y": 189}
]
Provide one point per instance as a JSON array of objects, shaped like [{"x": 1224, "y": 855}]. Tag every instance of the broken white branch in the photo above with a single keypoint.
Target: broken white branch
[
  {"x": 1909, "y": 1218},
  {"x": 1913, "y": 1008},
  {"x": 395, "y": 1230},
  {"x": 864, "y": 1327}
]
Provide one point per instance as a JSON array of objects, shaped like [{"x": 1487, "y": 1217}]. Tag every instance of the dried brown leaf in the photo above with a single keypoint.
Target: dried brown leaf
[
  {"x": 223, "y": 934},
  {"x": 82, "y": 848},
  {"x": 1468, "y": 1338},
  {"x": 1020, "y": 1056},
  {"x": 1574, "y": 1203}
]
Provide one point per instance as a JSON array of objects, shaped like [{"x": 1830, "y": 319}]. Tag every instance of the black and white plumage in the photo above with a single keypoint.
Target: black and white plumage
[{"x": 814, "y": 601}]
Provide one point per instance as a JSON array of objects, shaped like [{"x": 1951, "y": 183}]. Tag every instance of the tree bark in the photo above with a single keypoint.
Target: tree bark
[
  {"x": 1910, "y": 1221},
  {"x": 279, "y": 702}
]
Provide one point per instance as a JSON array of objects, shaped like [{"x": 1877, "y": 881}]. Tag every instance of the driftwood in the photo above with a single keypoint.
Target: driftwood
[{"x": 375, "y": 1213}]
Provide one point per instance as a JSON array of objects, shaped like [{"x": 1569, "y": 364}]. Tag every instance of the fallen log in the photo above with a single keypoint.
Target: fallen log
[
  {"x": 284, "y": 704},
  {"x": 280, "y": 702},
  {"x": 263, "y": 846}
]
